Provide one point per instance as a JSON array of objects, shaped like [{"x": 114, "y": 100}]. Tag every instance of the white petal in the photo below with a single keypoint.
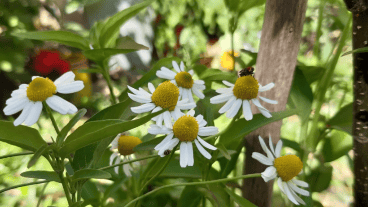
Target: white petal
[
  {"x": 133, "y": 90},
  {"x": 25, "y": 112},
  {"x": 288, "y": 193},
  {"x": 228, "y": 105},
  {"x": 198, "y": 93},
  {"x": 167, "y": 119},
  {"x": 15, "y": 99},
  {"x": 221, "y": 98},
  {"x": 176, "y": 114},
  {"x": 297, "y": 198},
  {"x": 224, "y": 90},
  {"x": 144, "y": 92},
  {"x": 182, "y": 67},
  {"x": 266, "y": 87},
  {"x": 65, "y": 78},
  {"x": 262, "y": 159},
  {"x": 173, "y": 143},
  {"x": 190, "y": 154},
  {"x": 143, "y": 108},
  {"x": 154, "y": 129},
  {"x": 300, "y": 183},
  {"x": 247, "y": 110},
  {"x": 23, "y": 86},
  {"x": 191, "y": 112},
  {"x": 271, "y": 145},
  {"x": 115, "y": 142},
  {"x": 140, "y": 99},
  {"x": 183, "y": 155},
  {"x": 297, "y": 189},
  {"x": 268, "y": 100},
  {"x": 279, "y": 183},
  {"x": 227, "y": 83},
  {"x": 151, "y": 88},
  {"x": 200, "y": 82},
  {"x": 34, "y": 114},
  {"x": 58, "y": 104},
  {"x": 159, "y": 120},
  {"x": 199, "y": 86},
  {"x": 190, "y": 96},
  {"x": 112, "y": 157},
  {"x": 202, "y": 150},
  {"x": 164, "y": 141},
  {"x": 265, "y": 148},
  {"x": 168, "y": 71},
  {"x": 165, "y": 75},
  {"x": 117, "y": 161},
  {"x": 186, "y": 106},
  {"x": 127, "y": 168},
  {"x": 207, "y": 131},
  {"x": 278, "y": 148},
  {"x": 234, "y": 109},
  {"x": 265, "y": 113},
  {"x": 70, "y": 87},
  {"x": 16, "y": 107},
  {"x": 269, "y": 174},
  {"x": 206, "y": 144},
  {"x": 176, "y": 66},
  {"x": 185, "y": 94},
  {"x": 258, "y": 104},
  {"x": 201, "y": 121},
  {"x": 191, "y": 72}
]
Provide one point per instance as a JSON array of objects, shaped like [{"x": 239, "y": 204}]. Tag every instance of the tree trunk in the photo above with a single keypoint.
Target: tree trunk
[
  {"x": 281, "y": 36},
  {"x": 360, "y": 114}
]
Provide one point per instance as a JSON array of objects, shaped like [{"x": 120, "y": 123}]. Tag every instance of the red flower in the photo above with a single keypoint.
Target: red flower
[
  {"x": 46, "y": 61},
  {"x": 62, "y": 66}
]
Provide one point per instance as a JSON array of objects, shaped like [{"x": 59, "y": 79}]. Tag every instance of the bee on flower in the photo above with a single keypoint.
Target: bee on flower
[
  {"x": 184, "y": 81},
  {"x": 245, "y": 91},
  {"x": 29, "y": 97},
  {"x": 165, "y": 96},
  {"x": 284, "y": 168},
  {"x": 122, "y": 148},
  {"x": 185, "y": 130}
]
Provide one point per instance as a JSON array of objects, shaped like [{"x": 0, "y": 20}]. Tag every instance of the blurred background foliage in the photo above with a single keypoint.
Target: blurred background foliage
[{"x": 198, "y": 32}]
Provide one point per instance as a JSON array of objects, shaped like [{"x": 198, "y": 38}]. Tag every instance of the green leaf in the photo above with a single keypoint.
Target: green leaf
[
  {"x": 90, "y": 173},
  {"x": 337, "y": 145},
  {"x": 312, "y": 73},
  {"x": 77, "y": 204},
  {"x": 301, "y": 95},
  {"x": 343, "y": 119},
  {"x": 166, "y": 62},
  {"x": 63, "y": 37},
  {"x": 359, "y": 50},
  {"x": 292, "y": 144},
  {"x": 112, "y": 112},
  {"x": 319, "y": 179},
  {"x": 100, "y": 133},
  {"x": 149, "y": 145},
  {"x": 61, "y": 136},
  {"x": 223, "y": 151},
  {"x": 37, "y": 155},
  {"x": 102, "y": 54},
  {"x": 90, "y": 191},
  {"x": 245, "y": 5},
  {"x": 239, "y": 199},
  {"x": 47, "y": 175},
  {"x": 217, "y": 195},
  {"x": 128, "y": 43},
  {"x": 217, "y": 75},
  {"x": 242, "y": 127},
  {"x": 20, "y": 136},
  {"x": 190, "y": 197},
  {"x": 112, "y": 25}
]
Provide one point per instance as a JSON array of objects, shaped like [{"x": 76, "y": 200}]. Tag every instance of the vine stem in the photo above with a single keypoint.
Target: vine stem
[
  {"x": 109, "y": 84},
  {"x": 194, "y": 183},
  {"x": 42, "y": 192},
  {"x": 16, "y": 154},
  {"x": 126, "y": 162},
  {"x": 24, "y": 184},
  {"x": 48, "y": 110}
]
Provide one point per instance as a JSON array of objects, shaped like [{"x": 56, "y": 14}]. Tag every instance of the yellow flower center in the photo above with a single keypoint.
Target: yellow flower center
[
  {"x": 166, "y": 95},
  {"x": 40, "y": 89},
  {"x": 127, "y": 143},
  {"x": 288, "y": 166},
  {"x": 186, "y": 128},
  {"x": 184, "y": 79},
  {"x": 227, "y": 60},
  {"x": 246, "y": 87}
]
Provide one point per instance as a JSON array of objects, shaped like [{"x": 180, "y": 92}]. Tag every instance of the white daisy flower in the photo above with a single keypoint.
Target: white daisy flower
[
  {"x": 185, "y": 130},
  {"x": 165, "y": 96},
  {"x": 243, "y": 92},
  {"x": 29, "y": 97},
  {"x": 122, "y": 147},
  {"x": 284, "y": 168},
  {"x": 184, "y": 80}
]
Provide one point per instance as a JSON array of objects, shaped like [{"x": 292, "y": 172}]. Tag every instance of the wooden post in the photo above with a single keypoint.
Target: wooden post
[
  {"x": 281, "y": 36},
  {"x": 360, "y": 107}
]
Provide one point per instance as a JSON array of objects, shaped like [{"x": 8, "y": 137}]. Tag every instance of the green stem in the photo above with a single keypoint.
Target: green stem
[
  {"x": 48, "y": 110},
  {"x": 232, "y": 49},
  {"x": 66, "y": 188},
  {"x": 16, "y": 154},
  {"x": 21, "y": 185},
  {"x": 126, "y": 162},
  {"x": 42, "y": 192},
  {"x": 109, "y": 84},
  {"x": 194, "y": 183}
]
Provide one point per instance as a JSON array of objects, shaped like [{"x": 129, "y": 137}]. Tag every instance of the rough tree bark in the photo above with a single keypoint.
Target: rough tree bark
[
  {"x": 360, "y": 113},
  {"x": 281, "y": 36}
]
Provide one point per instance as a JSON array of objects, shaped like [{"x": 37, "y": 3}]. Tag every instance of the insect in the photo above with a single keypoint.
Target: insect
[
  {"x": 167, "y": 152},
  {"x": 246, "y": 71}
]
